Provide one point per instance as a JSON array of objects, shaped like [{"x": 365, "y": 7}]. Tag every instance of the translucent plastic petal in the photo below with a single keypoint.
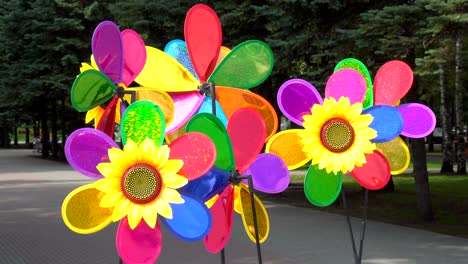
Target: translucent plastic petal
[
  {"x": 232, "y": 99},
  {"x": 210, "y": 125},
  {"x": 397, "y": 153},
  {"x": 177, "y": 49},
  {"x": 296, "y": 98},
  {"x": 322, "y": 188},
  {"x": 81, "y": 211},
  {"x": 246, "y": 66},
  {"x": 185, "y": 105},
  {"x": 85, "y": 148},
  {"x": 203, "y": 35},
  {"x": 141, "y": 245},
  {"x": 375, "y": 173},
  {"x": 247, "y": 132},
  {"x": 222, "y": 54},
  {"x": 419, "y": 120},
  {"x": 351, "y": 63},
  {"x": 107, "y": 121},
  {"x": 90, "y": 89},
  {"x": 348, "y": 83},
  {"x": 163, "y": 72},
  {"x": 207, "y": 107},
  {"x": 269, "y": 173},
  {"x": 222, "y": 213},
  {"x": 143, "y": 119},
  {"x": 287, "y": 145},
  {"x": 263, "y": 222},
  {"x": 207, "y": 186},
  {"x": 191, "y": 220},
  {"x": 388, "y": 122},
  {"x": 108, "y": 49},
  {"x": 392, "y": 81},
  {"x": 197, "y": 151},
  {"x": 159, "y": 98},
  {"x": 134, "y": 55}
]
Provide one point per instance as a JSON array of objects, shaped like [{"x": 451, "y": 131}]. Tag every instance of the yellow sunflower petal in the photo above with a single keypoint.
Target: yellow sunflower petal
[
  {"x": 172, "y": 196},
  {"x": 162, "y": 155},
  {"x": 353, "y": 112},
  {"x": 147, "y": 150},
  {"x": 108, "y": 184},
  {"x": 131, "y": 151},
  {"x": 174, "y": 181},
  {"x": 121, "y": 210},
  {"x": 90, "y": 115},
  {"x": 135, "y": 215},
  {"x": 163, "y": 208},
  {"x": 150, "y": 215},
  {"x": 118, "y": 158},
  {"x": 171, "y": 167},
  {"x": 109, "y": 170},
  {"x": 111, "y": 199}
]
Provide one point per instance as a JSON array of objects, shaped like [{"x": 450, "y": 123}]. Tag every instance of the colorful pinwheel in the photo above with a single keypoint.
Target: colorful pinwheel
[
  {"x": 117, "y": 58},
  {"x": 245, "y": 66},
  {"x": 237, "y": 147},
  {"x": 339, "y": 137},
  {"x": 138, "y": 183}
]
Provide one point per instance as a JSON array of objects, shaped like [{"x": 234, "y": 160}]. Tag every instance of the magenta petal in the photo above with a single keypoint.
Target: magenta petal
[
  {"x": 418, "y": 120},
  {"x": 269, "y": 172},
  {"x": 222, "y": 213},
  {"x": 185, "y": 105},
  {"x": 375, "y": 173},
  {"x": 107, "y": 49},
  {"x": 348, "y": 83},
  {"x": 134, "y": 55},
  {"x": 86, "y": 148},
  {"x": 296, "y": 98},
  {"x": 139, "y": 246}
]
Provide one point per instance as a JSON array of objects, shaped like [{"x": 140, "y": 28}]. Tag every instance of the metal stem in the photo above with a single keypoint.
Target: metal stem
[
  {"x": 120, "y": 261},
  {"x": 254, "y": 213},
  {"x": 363, "y": 223},
  {"x": 350, "y": 227},
  {"x": 223, "y": 257}
]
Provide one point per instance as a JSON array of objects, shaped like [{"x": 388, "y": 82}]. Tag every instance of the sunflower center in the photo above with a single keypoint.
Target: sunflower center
[
  {"x": 337, "y": 135},
  {"x": 141, "y": 183}
]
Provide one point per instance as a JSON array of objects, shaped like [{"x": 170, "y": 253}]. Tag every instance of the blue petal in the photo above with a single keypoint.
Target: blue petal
[
  {"x": 208, "y": 185},
  {"x": 388, "y": 122},
  {"x": 191, "y": 220},
  {"x": 177, "y": 49},
  {"x": 207, "y": 107}
]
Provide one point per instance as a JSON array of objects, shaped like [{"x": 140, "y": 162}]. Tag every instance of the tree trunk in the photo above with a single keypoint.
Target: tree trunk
[
  {"x": 45, "y": 140},
  {"x": 447, "y": 152},
  {"x": 15, "y": 135},
  {"x": 27, "y": 136},
  {"x": 53, "y": 120},
  {"x": 459, "y": 92}
]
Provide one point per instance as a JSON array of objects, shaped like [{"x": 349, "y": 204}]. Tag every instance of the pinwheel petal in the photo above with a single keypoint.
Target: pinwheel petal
[
  {"x": 348, "y": 83},
  {"x": 232, "y": 99},
  {"x": 222, "y": 214},
  {"x": 322, "y": 188},
  {"x": 392, "y": 81},
  {"x": 143, "y": 119},
  {"x": 211, "y": 126},
  {"x": 419, "y": 120},
  {"x": 134, "y": 51},
  {"x": 107, "y": 49},
  {"x": 270, "y": 173},
  {"x": 81, "y": 211},
  {"x": 185, "y": 105},
  {"x": 208, "y": 185},
  {"x": 263, "y": 222},
  {"x": 247, "y": 132},
  {"x": 246, "y": 66},
  {"x": 203, "y": 35},
  {"x": 141, "y": 245},
  {"x": 197, "y": 151},
  {"x": 177, "y": 49},
  {"x": 207, "y": 107},
  {"x": 397, "y": 153},
  {"x": 287, "y": 145},
  {"x": 191, "y": 220},
  {"x": 223, "y": 52},
  {"x": 351, "y": 63},
  {"x": 159, "y": 98},
  {"x": 85, "y": 148},
  {"x": 295, "y": 99},
  {"x": 388, "y": 122},
  {"x": 375, "y": 173},
  {"x": 90, "y": 89},
  {"x": 107, "y": 122}
]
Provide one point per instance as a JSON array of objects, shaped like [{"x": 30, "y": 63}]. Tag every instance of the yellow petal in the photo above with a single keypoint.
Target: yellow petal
[
  {"x": 90, "y": 115},
  {"x": 118, "y": 158},
  {"x": 108, "y": 185},
  {"x": 212, "y": 201},
  {"x": 353, "y": 112},
  {"x": 111, "y": 199},
  {"x": 135, "y": 215},
  {"x": 147, "y": 150},
  {"x": 162, "y": 155},
  {"x": 174, "y": 181},
  {"x": 131, "y": 151},
  {"x": 163, "y": 208},
  {"x": 109, "y": 170},
  {"x": 172, "y": 196},
  {"x": 150, "y": 215},
  {"x": 171, "y": 167},
  {"x": 121, "y": 210}
]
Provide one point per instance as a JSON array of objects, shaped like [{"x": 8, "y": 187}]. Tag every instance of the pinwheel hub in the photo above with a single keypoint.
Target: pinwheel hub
[
  {"x": 236, "y": 178},
  {"x": 141, "y": 183},
  {"x": 337, "y": 135}
]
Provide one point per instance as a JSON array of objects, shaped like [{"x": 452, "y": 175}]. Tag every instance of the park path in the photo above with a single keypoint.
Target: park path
[{"x": 32, "y": 190}]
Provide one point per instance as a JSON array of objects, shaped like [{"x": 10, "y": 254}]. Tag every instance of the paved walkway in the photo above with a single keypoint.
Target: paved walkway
[{"x": 32, "y": 191}]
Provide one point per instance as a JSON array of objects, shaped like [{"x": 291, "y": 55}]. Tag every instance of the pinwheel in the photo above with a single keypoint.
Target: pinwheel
[
  {"x": 245, "y": 66},
  {"x": 118, "y": 57},
  {"x": 237, "y": 147},
  {"x": 138, "y": 183},
  {"x": 339, "y": 137}
]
